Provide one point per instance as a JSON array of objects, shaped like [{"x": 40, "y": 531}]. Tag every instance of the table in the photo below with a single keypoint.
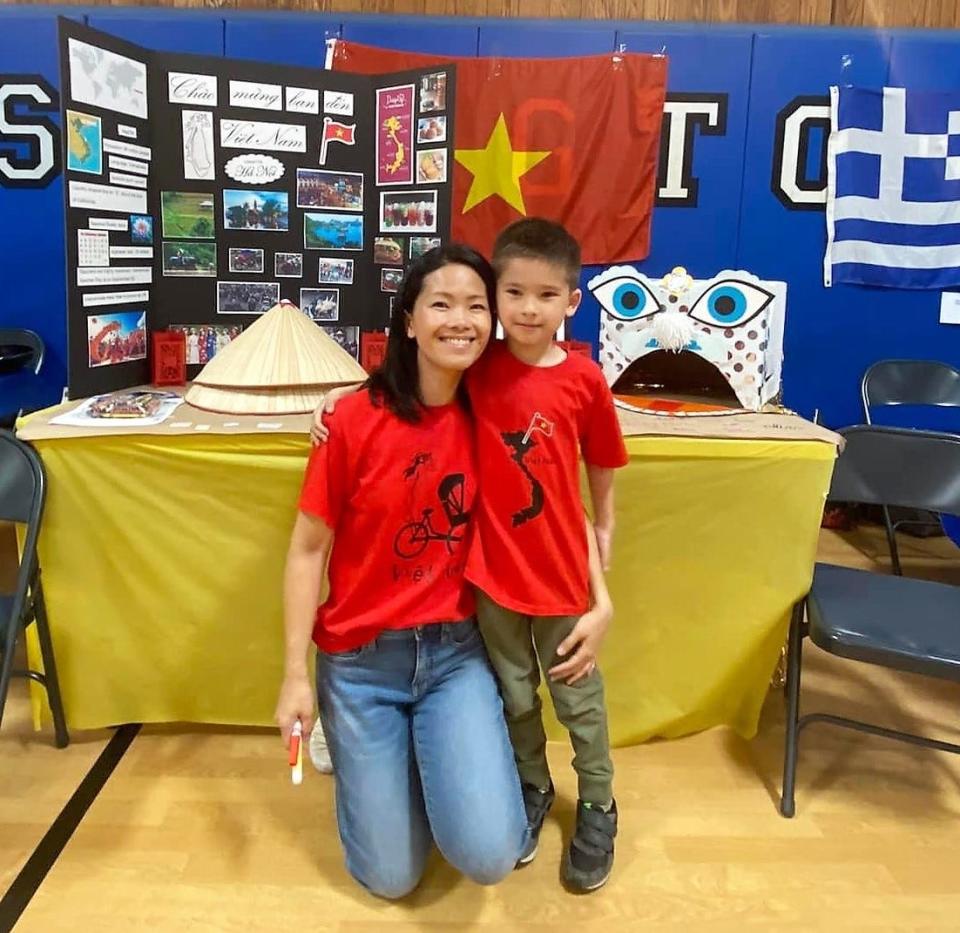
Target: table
[{"x": 163, "y": 554}]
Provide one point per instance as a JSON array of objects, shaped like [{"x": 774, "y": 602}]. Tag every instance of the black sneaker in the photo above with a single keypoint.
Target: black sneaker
[
  {"x": 537, "y": 804},
  {"x": 589, "y": 859}
]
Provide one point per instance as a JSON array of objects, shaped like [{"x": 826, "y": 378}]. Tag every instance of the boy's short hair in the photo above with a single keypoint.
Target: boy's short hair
[{"x": 536, "y": 238}]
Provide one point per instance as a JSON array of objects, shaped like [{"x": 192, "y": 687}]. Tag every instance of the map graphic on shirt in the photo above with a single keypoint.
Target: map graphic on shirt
[{"x": 520, "y": 444}]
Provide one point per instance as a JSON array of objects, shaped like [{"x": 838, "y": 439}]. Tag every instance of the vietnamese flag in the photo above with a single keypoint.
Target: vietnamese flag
[{"x": 572, "y": 139}]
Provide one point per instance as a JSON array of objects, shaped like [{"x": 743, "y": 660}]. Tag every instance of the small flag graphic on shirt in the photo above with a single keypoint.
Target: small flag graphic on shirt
[{"x": 538, "y": 423}]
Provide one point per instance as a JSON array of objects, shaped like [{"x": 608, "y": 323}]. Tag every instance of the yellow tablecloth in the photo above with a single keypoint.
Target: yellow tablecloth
[{"x": 162, "y": 563}]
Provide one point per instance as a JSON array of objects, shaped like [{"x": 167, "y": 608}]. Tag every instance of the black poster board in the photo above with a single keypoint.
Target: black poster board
[{"x": 222, "y": 158}]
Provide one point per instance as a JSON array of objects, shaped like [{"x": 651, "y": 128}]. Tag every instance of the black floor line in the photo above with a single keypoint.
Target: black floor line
[{"x": 31, "y": 876}]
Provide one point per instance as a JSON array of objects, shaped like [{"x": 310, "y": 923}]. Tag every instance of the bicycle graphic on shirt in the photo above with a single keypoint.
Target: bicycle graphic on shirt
[{"x": 412, "y": 539}]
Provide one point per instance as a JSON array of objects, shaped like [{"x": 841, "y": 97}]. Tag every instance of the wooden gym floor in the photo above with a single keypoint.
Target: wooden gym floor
[{"x": 199, "y": 829}]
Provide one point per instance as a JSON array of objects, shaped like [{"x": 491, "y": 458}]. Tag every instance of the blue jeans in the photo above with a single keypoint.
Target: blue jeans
[{"x": 420, "y": 752}]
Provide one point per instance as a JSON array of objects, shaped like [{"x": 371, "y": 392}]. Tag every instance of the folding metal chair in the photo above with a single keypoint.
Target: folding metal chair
[
  {"x": 22, "y": 494},
  {"x": 907, "y": 382},
  {"x": 896, "y": 622}
]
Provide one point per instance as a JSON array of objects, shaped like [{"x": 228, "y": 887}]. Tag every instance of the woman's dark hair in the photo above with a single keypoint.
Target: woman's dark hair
[{"x": 396, "y": 383}]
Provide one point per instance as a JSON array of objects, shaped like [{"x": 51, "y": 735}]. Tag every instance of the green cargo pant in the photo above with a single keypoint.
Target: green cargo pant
[{"x": 515, "y": 642}]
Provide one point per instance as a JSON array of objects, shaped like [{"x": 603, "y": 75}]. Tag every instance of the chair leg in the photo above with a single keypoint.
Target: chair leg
[
  {"x": 52, "y": 683},
  {"x": 892, "y": 542},
  {"x": 6, "y": 661},
  {"x": 792, "y": 737}
]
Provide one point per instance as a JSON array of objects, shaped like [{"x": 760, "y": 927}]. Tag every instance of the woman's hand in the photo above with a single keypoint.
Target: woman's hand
[
  {"x": 584, "y": 641},
  {"x": 296, "y": 702},
  {"x": 319, "y": 432}
]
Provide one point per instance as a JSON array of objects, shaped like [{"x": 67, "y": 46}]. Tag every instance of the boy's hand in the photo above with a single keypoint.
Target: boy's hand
[
  {"x": 295, "y": 702},
  {"x": 584, "y": 643},
  {"x": 319, "y": 432},
  {"x": 604, "y": 535}
]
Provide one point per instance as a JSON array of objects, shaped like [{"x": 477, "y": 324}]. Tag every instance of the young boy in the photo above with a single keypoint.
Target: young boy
[
  {"x": 533, "y": 558},
  {"x": 536, "y": 409}
]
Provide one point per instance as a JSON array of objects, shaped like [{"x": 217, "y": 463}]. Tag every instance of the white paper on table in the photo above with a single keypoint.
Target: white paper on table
[{"x": 79, "y": 417}]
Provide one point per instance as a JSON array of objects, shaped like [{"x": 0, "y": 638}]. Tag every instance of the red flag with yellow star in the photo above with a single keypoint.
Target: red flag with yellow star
[{"x": 571, "y": 139}]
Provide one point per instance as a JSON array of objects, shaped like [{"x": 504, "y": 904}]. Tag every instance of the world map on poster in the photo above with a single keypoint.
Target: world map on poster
[{"x": 107, "y": 80}]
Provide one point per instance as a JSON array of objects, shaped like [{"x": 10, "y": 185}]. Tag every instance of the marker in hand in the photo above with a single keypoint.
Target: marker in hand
[{"x": 296, "y": 753}]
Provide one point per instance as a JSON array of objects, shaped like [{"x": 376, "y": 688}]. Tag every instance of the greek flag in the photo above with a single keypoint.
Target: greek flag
[{"x": 893, "y": 188}]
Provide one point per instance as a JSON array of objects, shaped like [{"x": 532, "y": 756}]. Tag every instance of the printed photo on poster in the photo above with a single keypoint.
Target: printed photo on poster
[
  {"x": 387, "y": 250},
  {"x": 422, "y": 244},
  {"x": 395, "y": 135},
  {"x": 433, "y": 92},
  {"x": 84, "y": 143},
  {"x": 332, "y": 231},
  {"x": 256, "y": 210},
  {"x": 187, "y": 214},
  {"x": 335, "y": 271},
  {"x": 431, "y": 166},
  {"x": 408, "y": 212},
  {"x": 141, "y": 229},
  {"x": 432, "y": 130},
  {"x": 336, "y": 191},
  {"x": 116, "y": 338},
  {"x": 246, "y": 297},
  {"x": 245, "y": 260},
  {"x": 288, "y": 265},
  {"x": 205, "y": 341},
  {"x": 190, "y": 259},
  {"x": 107, "y": 80},
  {"x": 390, "y": 280},
  {"x": 320, "y": 304},
  {"x": 347, "y": 337},
  {"x": 197, "y": 145}
]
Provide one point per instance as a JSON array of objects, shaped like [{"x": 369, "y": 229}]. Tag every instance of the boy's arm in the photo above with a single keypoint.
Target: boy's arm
[
  {"x": 303, "y": 577},
  {"x": 318, "y": 430},
  {"x": 587, "y": 635},
  {"x": 600, "y": 480}
]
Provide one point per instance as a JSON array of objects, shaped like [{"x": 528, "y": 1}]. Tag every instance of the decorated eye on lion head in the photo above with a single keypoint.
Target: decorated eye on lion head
[{"x": 730, "y": 303}]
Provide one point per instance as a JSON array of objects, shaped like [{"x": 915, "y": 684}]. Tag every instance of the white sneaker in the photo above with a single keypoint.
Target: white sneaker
[{"x": 319, "y": 754}]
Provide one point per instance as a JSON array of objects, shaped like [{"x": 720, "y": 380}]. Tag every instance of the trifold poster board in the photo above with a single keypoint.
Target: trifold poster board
[{"x": 201, "y": 190}]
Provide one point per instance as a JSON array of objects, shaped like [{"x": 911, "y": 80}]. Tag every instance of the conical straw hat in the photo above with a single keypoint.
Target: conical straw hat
[
  {"x": 282, "y": 364},
  {"x": 277, "y": 401},
  {"x": 283, "y": 348}
]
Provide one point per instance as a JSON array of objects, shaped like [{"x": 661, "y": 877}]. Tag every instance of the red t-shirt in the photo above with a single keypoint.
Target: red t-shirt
[
  {"x": 529, "y": 550},
  {"x": 398, "y": 498}
]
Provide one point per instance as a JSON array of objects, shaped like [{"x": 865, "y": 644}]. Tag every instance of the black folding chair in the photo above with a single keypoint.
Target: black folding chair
[
  {"x": 22, "y": 494},
  {"x": 907, "y": 382},
  {"x": 20, "y": 349},
  {"x": 896, "y": 622}
]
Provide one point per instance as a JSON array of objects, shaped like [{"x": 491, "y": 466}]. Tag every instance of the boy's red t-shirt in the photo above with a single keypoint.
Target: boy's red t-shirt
[
  {"x": 529, "y": 550},
  {"x": 398, "y": 497}
]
